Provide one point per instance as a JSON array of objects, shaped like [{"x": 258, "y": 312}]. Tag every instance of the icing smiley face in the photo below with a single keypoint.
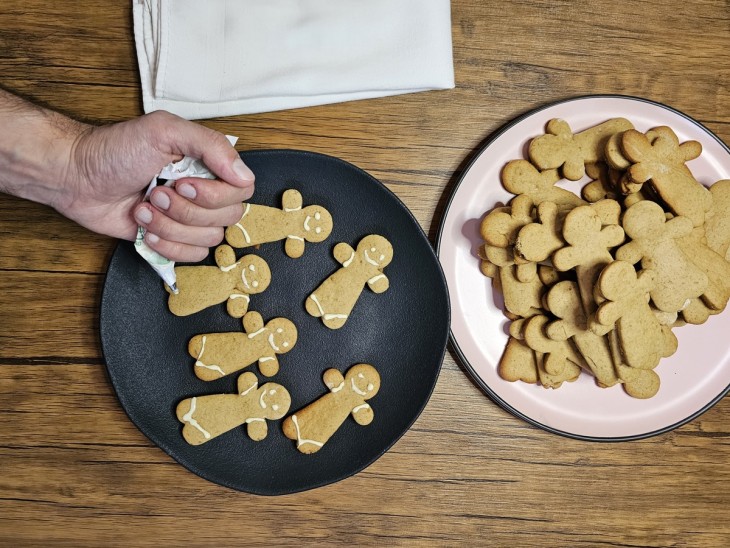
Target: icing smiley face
[
  {"x": 376, "y": 251},
  {"x": 255, "y": 274},
  {"x": 274, "y": 400},
  {"x": 364, "y": 380},
  {"x": 317, "y": 223},
  {"x": 282, "y": 335}
]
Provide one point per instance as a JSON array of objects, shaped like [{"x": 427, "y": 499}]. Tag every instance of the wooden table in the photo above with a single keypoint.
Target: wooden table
[{"x": 75, "y": 470}]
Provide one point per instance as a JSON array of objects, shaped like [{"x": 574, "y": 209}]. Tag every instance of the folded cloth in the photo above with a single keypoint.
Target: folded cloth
[{"x": 202, "y": 59}]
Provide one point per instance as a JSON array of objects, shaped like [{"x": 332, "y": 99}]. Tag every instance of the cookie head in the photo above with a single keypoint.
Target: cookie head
[
  {"x": 644, "y": 219},
  {"x": 317, "y": 223},
  {"x": 376, "y": 250},
  {"x": 282, "y": 335},
  {"x": 274, "y": 400},
  {"x": 363, "y": 379},
  {"x": 255, "y": 274}
]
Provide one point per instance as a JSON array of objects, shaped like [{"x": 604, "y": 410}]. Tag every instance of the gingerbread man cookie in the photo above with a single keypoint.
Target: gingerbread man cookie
[
  {"x": 220, "y": 354},
  {"x": 335, "y": 298},
  {"x": 262, "y": 224},
  {"x": 561, "y": 148},
  {"x": 653, "y": 242},
  {"x": 207, "y": 417},
  {"x": 662, "y": 161},
  {"x": 501, "y": 225},
  {"x": 313, "y": 425},
  {"x": 521, "y": 177},
  {"x": 560, "y": 358},
  {"x": 642, "y": 340},
  {"x": 717, "y": 225},
  {"x": 232, "y": 281}
]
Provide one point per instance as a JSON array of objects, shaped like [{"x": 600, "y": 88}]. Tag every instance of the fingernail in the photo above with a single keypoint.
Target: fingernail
[
  {"x": 143, "y": 215},
  {"x": 242, "y": 170},
  {"x": 187, "y": 190},
  {"x": 151, "y": 238},
  {"x": 247, "y": 192},
  {"x": 160, "y": 199}
]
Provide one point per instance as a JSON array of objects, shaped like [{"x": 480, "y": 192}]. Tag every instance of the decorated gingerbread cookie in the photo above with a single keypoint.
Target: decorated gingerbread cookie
[
  {"x": 296, "y": 224},
  {"x": 232, "y": 281},
  {"x": 207, "y": 417},
  {"x": 335, "y": 298},
  {"x": 313, "y": 425},
  {"x": 220, "y": 354}
]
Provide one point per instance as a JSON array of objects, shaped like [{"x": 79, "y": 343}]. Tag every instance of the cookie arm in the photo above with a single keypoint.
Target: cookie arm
[
  {"x": 343, "y": 253},
  {"x": 363, "y": 414},
  {"x": 257, "y": 429},
  {"x": 291, "y": 200},
  {"x": 379, "y": 283},
  {"x": 237, "y": 305},
  {"x": 252, "y": 322},
  {"x": 630, "y": 252},
  {"x": 225, "y": 256},
  {"x": 333, "y": 380}
]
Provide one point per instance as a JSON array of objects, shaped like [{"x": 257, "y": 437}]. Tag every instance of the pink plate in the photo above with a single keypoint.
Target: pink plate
[{"x": 693, "y": 380}]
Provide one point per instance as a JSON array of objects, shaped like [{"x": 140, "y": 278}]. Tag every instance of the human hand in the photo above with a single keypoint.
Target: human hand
[{"x": 111, "y": 166}]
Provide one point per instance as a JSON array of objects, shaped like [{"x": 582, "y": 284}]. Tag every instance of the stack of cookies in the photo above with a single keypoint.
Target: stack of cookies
[{"x": 598, "y": 283}]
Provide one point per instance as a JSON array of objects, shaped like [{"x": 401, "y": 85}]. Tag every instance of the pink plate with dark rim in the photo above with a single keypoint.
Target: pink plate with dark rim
[{"x": 695, "y": 378}]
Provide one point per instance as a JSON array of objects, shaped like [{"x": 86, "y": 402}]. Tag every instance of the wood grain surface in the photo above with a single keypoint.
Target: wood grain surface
[{"x": 75, "y": 471}]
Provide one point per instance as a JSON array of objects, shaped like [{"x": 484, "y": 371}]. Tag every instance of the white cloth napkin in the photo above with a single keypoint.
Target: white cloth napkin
[{"x": 203, "y": 59}]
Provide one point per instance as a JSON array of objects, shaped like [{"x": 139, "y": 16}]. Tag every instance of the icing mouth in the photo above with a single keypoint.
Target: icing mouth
[
  {"x": 272, "y": 343},
  {"x": 306, "y": 223},
  {"x": 356, "y": 389},
  {"x": 245, "y": 281},
  {"x": 368, "y": 259}
]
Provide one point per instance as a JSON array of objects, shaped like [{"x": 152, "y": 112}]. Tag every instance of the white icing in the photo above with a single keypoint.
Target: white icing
[
  {"x": 376, "y": 278},
  {"x": 356, "y": 389},
  {"x": 188, "y": 417},
  {"x": 254, "y": 419},
  {"x": 245, "y": 234},
  {"x": 339, "y": 387},
  {"x": 255, "y": 283},
  {"x": 275, "y": 407},
  {"x": 368, "y": 259},
  {"x": 360, "y": 407},
  {"x": 273, "y": 344},
  {"x": 252, "y": 335},
  {"x": 318, "y": 230},
  {"x": 300, "y": 441},
  {"x": 266, "y": 359},
  {"x": 370, "y": 386},
  {"x": 254, "y": 385},
  {"x": 240, "y": 296},
  {"x": 321, "y": 310},
  {"x": 290, "y": 209},
  {"x": 228, "y": 268},
  {"x": 293, "y": 237},
  {"x": 244, "y": 279},
  {"x": 198, "y": 363},
  {"x": 348, "y": 262},
  {"x": 262, "y": 403},
  {"x": 317, "y": 216},
  {"x": 306, "y": 223},
  {"x": 251, "y": 267}
]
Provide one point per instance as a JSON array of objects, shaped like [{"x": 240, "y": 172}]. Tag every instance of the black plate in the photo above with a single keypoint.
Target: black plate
[{"x": 402, "y": 332}]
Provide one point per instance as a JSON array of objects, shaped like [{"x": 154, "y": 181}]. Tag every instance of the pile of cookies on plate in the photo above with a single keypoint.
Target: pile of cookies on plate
[
  {"x": 233, "y": 281},
  {"x": 598, "y": 283}
]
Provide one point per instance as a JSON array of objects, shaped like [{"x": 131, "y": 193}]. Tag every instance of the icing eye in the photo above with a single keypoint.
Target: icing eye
[
  {"x": 372, "y": 250},
  {"x": 285, "y": 344},
  {"x": 318, "y": 230},
  {"x": 272, "y": 392},
  {"x": 370, "y": 386},
  {"x": 275, "y": 407},
  {"x": 382, "y": 257},
  {"x": 252, "y": 268},
  {"x": 280, "y": 330},
  {"x": 317, "y": 216},
  {"x": 255, "y": 283},
  {"x": 361, "y": 375}
]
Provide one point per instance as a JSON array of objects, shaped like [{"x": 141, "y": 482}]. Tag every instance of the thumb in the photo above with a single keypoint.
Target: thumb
[{"x": 191, "y": 139}]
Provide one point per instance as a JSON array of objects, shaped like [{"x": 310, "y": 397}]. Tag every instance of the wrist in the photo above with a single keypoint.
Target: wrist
[{"x": 37, "y": 151}]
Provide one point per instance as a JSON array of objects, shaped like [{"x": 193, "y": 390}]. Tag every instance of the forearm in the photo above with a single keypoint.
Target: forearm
[{"x": 36, "y": 148}]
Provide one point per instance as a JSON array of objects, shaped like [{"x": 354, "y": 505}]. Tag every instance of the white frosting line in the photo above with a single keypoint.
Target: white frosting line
[
  {"x": 339, "y": 387},
  {"x": 188, "y": 417},
  {"x": 356, "y": 389},
  {"x": 348, "y": 262},
  {"x": 316, "y": 301},
  {"x": 252, "y": 335},
  {"x": 306, "y": 223},
  {"x": 198, "y": 363},
  {"x": 290, "y": 209},
  {"x": 273, "y": 344},
  {"x": 254, "y": 419},
  {"x": 368, "y": 259},
  {"x": 240, "y": 296},
  {"x": 334, "y": 316},
  {"x": 376, "y": 278},
  {"x": 253, "y": 386},
  {"x": 360, "y": 407},
  {"x": 266, "y": 359},
  {"x": 262, "y": 403},
  {"x": 293, "y": 237},
  {"x": 245, "y": 234},
  {"x": 244, "y": 280},
  {"x": 300, "y": 441}
]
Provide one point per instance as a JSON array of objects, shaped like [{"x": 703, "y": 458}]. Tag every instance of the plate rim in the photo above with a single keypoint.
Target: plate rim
[
  {"x": 452, "y": 338},
  {"x": 335, "y": 479}
]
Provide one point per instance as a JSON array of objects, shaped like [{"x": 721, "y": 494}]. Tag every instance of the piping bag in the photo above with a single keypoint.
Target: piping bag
[{"x": 187, "y": 167}]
